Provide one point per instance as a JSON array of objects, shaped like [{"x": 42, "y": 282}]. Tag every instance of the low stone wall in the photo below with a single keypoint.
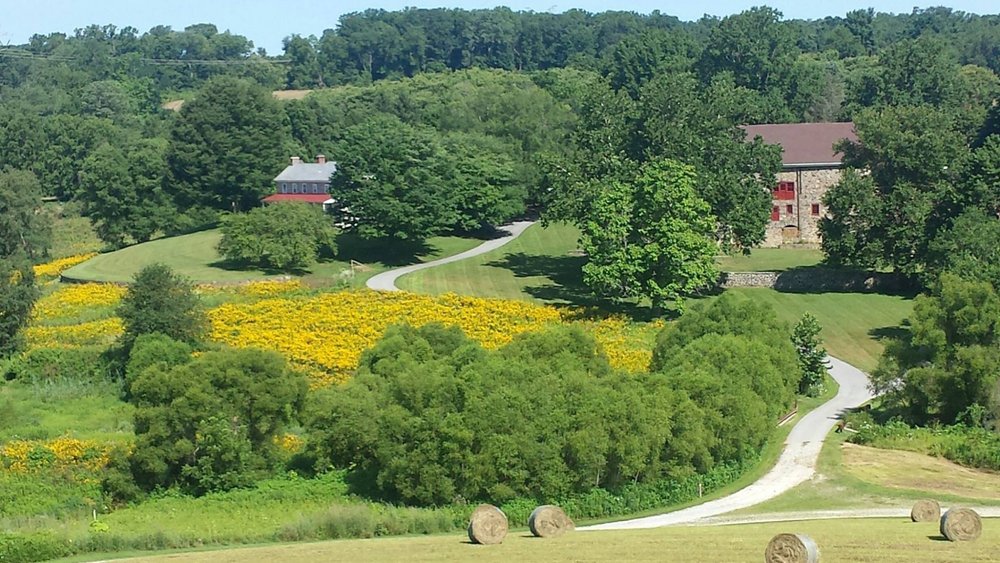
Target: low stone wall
[{"x": 818, "y": 279}]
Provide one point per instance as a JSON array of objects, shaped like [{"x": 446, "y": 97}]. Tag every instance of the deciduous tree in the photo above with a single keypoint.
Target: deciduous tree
[
  {"x": 226, "y": 146},
  {"x": 280, "y": 236},
  {"x": 651, "y": 237}
]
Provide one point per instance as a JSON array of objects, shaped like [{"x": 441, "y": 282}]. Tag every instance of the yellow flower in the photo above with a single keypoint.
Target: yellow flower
[
  {"x": 56, "y": 267},
  {"x": 70, "y": 300},
  {"x": 22, "y": 456}
]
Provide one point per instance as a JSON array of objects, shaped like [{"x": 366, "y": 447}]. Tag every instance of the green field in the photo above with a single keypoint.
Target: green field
[
  {"x": 854, "y": 324},
  {"x": 882, "y": 539},
  {"x": 195, "y": 256},
  {"x": 539, "y": 265},
  {"x": 71, "y": 234},
  {"x": 542, "y": 265},
  {"x": 771, "y": 260}
]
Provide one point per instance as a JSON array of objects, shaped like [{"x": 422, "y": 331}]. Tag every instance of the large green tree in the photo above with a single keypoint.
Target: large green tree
[
  {"x": 25, "y": 235},
  {"x": 280, "y": 236},
  {"x": 122, "y": 194},
  {"x": 17, "y": 296},
  {"x": 913, "y": 158},
  {"x": 755, "y": 46},
  {"x": 392, "y": 181},
  {"x": 950, "y": 361},
  {"x": 226, "y": 146},
  {"x": 24, "y": 229},
  {"x": 651, "y": 237}
]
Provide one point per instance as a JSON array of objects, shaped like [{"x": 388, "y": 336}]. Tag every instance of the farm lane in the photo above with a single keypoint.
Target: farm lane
[
  {"x": 797, "y": 462},
  {"x": 796, "y": 465},
  {"x": 386, "y": 281}
]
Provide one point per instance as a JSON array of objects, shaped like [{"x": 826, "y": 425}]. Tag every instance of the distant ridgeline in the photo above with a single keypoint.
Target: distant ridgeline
[{"x": 376, "y": 44}]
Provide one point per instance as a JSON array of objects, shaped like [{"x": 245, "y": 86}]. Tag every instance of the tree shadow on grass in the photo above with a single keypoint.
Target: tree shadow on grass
[
  {"x": 390, "y": 252},
  {"x": 889, "y": 332},
  {"x": 567, "y": 287},
  {"x": 232, "y": 266},
  {"x": 826, "y": 279}
]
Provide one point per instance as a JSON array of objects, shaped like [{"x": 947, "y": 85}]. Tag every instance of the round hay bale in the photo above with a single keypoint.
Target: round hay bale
[
  {"x": 548, "y": 521},
  {"x": 487, "y": 525},
  {"x": 791, "y": 548},
  {"x": 925, "y": 510},
  {"x": 961, "y": 524}
]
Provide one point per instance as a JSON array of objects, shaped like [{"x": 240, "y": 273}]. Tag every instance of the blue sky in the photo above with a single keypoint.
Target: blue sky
[{"x": 266, "y": 22}]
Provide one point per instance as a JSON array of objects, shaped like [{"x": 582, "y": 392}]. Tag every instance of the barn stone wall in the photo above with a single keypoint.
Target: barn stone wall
[
  {"x": 800, "y": 226},
  {"x": 818, "y": 279}
]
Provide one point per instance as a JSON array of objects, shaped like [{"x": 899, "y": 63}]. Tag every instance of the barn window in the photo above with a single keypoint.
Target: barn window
[
  {"x": 789, "y": 209},
  {"x": 785, "y": 190},
  {"x": 775, "y": 213},
  {"x": 815, "y": 209}
]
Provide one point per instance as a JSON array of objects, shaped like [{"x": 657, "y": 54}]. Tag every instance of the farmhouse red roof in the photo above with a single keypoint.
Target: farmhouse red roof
[
  {"x": 308, "y": 198},
  {"x": 805, "y": 144}
]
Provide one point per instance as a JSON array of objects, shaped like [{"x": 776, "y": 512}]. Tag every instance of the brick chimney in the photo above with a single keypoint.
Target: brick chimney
[
  {"x": 320, "y": 159},
  {"x": 296, "y": 161}
]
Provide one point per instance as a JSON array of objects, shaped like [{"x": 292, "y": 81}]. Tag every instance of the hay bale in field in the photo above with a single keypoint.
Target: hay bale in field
[
  {"x": 791, "y": 548},
  {"x": 961, "y": 524},
  {"x": 487, "y": 525},
  {"x": 548, "y": 521},
  {"x": 925, "y": 510}
]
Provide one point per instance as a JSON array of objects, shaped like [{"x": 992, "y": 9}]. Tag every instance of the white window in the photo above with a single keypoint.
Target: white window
[
  {"x": 295, "y": 188},
  {"x": 284, "y": 188}
]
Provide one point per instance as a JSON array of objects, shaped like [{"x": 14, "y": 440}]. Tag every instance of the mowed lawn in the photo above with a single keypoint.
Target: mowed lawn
[
  {"x": 855, "y": 325},
  {"x": 882, "y": 540},
  {"x": 770, "y": 260},
  {"x": 542, "y": 264},
  {"x": 195, "y": 256}
]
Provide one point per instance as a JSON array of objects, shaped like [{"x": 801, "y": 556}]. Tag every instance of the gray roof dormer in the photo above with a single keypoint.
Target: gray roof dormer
[{"x": 299, "y": 171}]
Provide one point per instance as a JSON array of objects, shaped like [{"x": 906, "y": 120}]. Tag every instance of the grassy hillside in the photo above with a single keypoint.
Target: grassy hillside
[
  {"x": 543, "y": 265},
  {"x": 770, "y": 260},
  {"x": 539, "y": 265},
  {"x": 854, "y": 324},
  {"x": 195, "y": 256}
]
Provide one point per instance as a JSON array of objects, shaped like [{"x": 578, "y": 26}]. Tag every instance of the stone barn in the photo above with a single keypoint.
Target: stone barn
[{"x": 809, "y": 167}]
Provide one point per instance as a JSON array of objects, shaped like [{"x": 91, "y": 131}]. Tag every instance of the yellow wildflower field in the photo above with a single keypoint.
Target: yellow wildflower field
[
  {"x": 103, "y": 331},
  {"x": 325, "y": 334},
  {"x": 21, "y": 456},
  {"x": 56, "y": 267},
  {"x": 71, "y": 300},
  {"x": 331, "y": 330}
]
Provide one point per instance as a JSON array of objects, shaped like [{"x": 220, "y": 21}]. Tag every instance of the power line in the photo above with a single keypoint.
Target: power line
[{"x": 14, "y": 53}]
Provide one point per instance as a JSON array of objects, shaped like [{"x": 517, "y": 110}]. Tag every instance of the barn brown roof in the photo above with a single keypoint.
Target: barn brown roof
[{"x": 805, "y": 144}]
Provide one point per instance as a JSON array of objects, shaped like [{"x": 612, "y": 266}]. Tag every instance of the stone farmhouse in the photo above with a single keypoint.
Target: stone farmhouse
[
  {"x": 809, "y": 167},
  {"x": 304, "y": 181}
]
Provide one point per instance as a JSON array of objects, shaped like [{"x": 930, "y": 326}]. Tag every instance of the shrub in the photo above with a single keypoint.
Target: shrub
[
  {"x": 161, "y": 301},
  {"x": 210, "y": 424},
  {"x": 282, "y": 236},
  {"x": 45, "y": 364},
  {"x": 28, "y": 548}
]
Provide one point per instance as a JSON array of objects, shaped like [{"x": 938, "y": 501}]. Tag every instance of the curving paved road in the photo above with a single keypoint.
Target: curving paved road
[
  {"x": 386, "y": 281},
  {"x": 796, "y": 465}
]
